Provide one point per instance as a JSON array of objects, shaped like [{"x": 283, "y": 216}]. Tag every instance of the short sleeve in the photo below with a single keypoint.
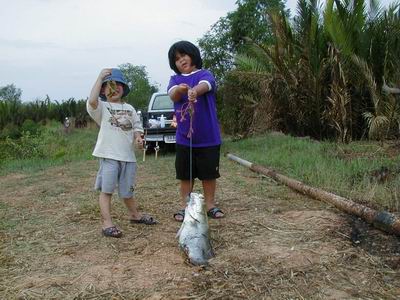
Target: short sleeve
[
  {"x": 172, "y": 84},
  {"x": 95, "y": 114},
  {"x": 136, "y": 122},
  {"x": 208, "y": 77}
]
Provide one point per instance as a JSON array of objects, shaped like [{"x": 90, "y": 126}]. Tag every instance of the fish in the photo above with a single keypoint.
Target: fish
[
  {"x": 112, "y": 85},
  {"x": 194, "y": 237}
]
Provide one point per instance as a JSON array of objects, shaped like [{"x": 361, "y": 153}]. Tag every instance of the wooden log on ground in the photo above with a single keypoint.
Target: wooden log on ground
[
  {"x": 382, "y": 220},
  {"x": 389, "y": 90}
]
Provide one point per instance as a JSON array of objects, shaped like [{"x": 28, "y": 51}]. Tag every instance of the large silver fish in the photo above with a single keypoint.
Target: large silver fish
[{"x": 193, "y": 235}]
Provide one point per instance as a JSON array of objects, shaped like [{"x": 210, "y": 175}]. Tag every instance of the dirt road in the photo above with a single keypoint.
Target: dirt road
[{"x": 273, "y": 243}]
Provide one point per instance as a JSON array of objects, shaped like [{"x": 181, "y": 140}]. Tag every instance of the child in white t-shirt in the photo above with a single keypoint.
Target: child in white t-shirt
[{"x": 120, "y": 128}]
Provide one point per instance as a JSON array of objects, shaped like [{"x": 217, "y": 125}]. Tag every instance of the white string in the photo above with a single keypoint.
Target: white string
[{"x": 190, "y": 165}]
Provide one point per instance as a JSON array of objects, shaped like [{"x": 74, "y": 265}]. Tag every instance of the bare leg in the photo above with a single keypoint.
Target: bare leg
[
  {"x": 132, "y": 208},
  {"x": 209, "y": 187},
  {"x": 185, "y": 189},
  {"x": 105, "y": 209}
]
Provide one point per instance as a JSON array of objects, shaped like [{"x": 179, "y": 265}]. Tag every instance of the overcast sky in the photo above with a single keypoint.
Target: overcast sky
[{"x": 58, "y": 47}]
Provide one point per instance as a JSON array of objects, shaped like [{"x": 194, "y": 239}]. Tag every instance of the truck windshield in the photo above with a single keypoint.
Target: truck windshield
[{"x": 163, "y": 102}]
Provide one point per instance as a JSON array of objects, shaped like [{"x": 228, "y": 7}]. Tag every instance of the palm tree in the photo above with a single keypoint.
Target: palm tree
[{"x": 321, "y": 74}]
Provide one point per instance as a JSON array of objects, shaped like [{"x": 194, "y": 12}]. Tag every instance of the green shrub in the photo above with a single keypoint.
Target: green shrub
[
  {"x": 51, "y": 146},
  {"x": 27, "y": 146},
  {"x": 6, "y": 149},
  {"x": 10, "y": 130},
  {"x": 31, "y": 127},
  {"x": 60, "y": 153}
]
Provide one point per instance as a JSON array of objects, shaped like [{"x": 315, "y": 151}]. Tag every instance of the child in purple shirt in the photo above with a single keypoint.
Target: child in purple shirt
[{"x": 193, "y": 91}]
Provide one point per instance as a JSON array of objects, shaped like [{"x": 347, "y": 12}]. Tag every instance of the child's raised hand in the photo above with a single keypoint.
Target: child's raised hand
[{"x": 104, "y": 73}]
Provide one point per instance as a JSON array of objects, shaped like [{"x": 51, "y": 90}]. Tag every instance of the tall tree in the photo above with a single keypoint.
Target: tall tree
[
  {"x": 10, "y": 93},
  {"x": 10, "y": 105},
  {"x": 138, "y": 81},
  {"x": 228, "y": 36},
  {"x": 322, "y": 74}
]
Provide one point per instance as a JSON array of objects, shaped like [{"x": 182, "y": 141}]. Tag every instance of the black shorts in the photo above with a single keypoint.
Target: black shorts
[{"x": 205, "y": 162}]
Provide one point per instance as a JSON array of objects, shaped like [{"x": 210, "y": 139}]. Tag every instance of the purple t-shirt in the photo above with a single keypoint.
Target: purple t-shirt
[{"x": 206, "y": 130}]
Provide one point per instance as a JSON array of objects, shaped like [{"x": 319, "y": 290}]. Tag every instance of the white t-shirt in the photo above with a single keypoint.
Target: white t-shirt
[{"x": 118, "y": 122}]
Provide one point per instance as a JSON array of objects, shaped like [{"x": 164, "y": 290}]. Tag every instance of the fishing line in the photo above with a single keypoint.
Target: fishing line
[
  {"x": 188, "y": 108},
  {"x": 190, "y": 158},
  {"x": 191, "y": 112}
]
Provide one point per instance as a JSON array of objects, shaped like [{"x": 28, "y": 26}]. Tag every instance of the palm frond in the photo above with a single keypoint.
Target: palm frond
[
  {"x": 368, "y": 75},
  {"x": 252, "y": 64}
]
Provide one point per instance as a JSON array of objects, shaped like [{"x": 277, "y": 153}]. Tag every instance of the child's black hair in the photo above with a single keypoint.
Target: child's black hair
[{"x": 184, "y": 47}]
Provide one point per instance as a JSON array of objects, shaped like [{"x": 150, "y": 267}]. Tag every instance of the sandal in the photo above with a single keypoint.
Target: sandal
[
  {"x": 213, "y": 213},
  {"x": 179, "y": 215},
  {"x": 112, "y": 232},
  {"x": 145, "y": 219}
]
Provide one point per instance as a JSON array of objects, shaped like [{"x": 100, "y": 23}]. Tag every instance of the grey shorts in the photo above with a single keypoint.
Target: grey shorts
[{"x": 113, "y": 174}]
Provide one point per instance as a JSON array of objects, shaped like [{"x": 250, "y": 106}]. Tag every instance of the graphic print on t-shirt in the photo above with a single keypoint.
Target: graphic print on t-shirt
[{"x": 120, "y": 119}]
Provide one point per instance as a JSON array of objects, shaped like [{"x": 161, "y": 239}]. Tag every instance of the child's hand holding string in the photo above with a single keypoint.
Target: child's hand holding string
[
  {"x": 183, "y": 88},
  {"x": 192, "y": 95}
]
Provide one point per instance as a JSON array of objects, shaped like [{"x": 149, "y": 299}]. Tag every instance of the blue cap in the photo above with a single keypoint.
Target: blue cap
[{"x": 116, "y": 75}]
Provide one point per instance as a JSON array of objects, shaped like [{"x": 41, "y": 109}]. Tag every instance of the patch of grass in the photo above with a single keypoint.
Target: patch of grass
[
  {"x": 274, "y": 243},
  {"x": 88, "y": 209},
  {"x": 57, "y": 148},
  {"x": 347, "y": 170},
  {"x": 6, "y": 221},
  {"x": 8, "y": 224}
]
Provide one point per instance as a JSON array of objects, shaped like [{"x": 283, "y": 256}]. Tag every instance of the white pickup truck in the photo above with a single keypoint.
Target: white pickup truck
[{"x": 159, "y": 121}]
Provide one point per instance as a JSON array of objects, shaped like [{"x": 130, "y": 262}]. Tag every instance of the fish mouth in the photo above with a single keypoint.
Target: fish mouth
[
  {"x": 198, "y": 262},
  {"x": 195, "y": 261}
]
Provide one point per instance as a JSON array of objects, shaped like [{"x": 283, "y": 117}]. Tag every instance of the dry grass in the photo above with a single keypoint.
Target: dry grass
[{"x": 273, "y": 243}]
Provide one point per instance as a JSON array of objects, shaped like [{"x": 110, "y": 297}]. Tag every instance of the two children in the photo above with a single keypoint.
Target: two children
[
  {"x": 120, "y": 127},
  {"x": 198, "y": 139}
]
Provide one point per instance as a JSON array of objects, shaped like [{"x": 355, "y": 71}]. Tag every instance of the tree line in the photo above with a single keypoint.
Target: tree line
[
  {"x": 319, "y": 73},
  {"x": 17, "y": 116}
]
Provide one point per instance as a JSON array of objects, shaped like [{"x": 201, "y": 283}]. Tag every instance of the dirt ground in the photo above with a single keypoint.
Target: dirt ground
[{"x": 273, "y": 243}]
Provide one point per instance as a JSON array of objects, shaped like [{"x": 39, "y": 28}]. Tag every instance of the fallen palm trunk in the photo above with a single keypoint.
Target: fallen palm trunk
[
  {"x": 382, "y": 220},
  {"x": 389, "y": 90}
]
